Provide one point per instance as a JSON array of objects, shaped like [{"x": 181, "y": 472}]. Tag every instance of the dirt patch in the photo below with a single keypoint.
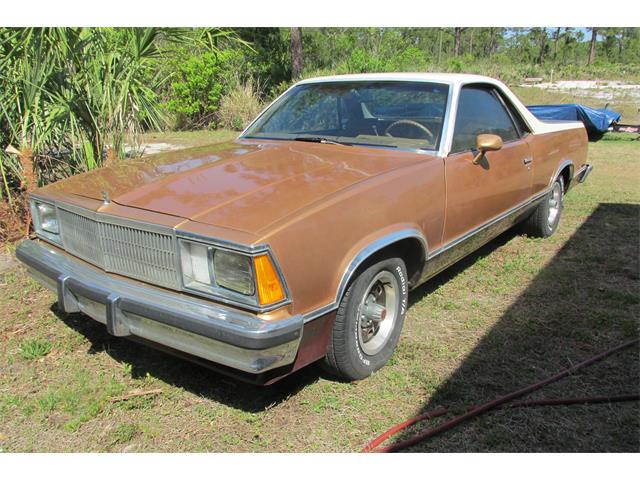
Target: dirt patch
[
  {"x": 13, "y": 219},
  {"x": 154, "y": 147},
  {"x": 7, "y": 262},
  {"x": 599, "y": 89}
]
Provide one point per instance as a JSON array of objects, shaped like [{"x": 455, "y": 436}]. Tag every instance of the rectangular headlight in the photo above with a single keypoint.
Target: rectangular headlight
[
  {"x": 45, "y": 220},
  {"x": 238, "y": 277},
  {"x": 208, "y": 268},
  {"x": 233, "y": 271}
]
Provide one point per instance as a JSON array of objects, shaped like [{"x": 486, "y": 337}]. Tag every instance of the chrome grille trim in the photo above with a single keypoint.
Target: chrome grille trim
[
  {"x": 89, "y": 246},
  {"x": 126, "y": 247},
  {"x": 80, "y": 236}
]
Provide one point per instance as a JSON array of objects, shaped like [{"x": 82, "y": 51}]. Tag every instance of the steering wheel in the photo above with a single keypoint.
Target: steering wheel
[{"x": 413, "y": 124}]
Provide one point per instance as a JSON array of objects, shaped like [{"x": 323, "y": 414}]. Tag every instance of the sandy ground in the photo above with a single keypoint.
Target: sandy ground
[
  {"x": 7, "y": 262},
  {"x": 156, "y": 147},
  {"x": 601, "y": 89}
]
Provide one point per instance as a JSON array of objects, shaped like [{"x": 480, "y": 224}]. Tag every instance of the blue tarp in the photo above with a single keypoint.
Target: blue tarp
[{"x": 595, "y": 120}]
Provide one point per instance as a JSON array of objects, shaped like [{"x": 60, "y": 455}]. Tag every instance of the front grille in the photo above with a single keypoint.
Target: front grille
[
  {"x": 80, "y": 237},
  {"x": 141, "y": 254},
  {"x": 123, "y": 247}
]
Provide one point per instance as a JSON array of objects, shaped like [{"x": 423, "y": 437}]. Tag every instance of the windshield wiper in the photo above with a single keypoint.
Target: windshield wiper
[
  {"x": 335, "y": 142},
  {"x": 363, "y": 144},
  {"x": 319, "y": 140}
]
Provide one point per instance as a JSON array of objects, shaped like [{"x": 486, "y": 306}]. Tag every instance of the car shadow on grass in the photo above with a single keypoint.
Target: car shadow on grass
[
  {"x": 569, "y": 312},
  {"x": 415, "y": 296},
  {"x": 143, "y": 360},
  {"x": 218, "y": 387},
  {"x": 583, "y": 302}
]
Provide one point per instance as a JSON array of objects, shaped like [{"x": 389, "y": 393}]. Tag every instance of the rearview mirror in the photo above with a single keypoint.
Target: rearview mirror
[{"x": 486, "y": 142}]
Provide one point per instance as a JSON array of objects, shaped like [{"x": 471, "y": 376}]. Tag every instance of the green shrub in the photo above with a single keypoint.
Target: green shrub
[
  {"x": 201, "y": 82},
  {"x": 36, "y": 348},
  {"x": 239, "y": 106},
  {"x": 456, "y": 65},
  {"x": 411, "y": 59},
  {"x": 361, "y": 61}
]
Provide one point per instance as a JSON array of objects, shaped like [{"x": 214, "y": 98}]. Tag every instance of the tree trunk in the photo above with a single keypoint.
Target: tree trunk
[
  {"x": 556, "y": 37},
  {"x": 620, "y": 40},
  {"x": 493, "y": 44},
  {"x": 568, "y": 36},
  {"x": 606, "y": 41},
  {"x": 592, "y": 52},
  {"x": 296, "y": 53},
  {"x": 488, "y": 44},
  {"x": 457, "y": 36},
  {"x": 111, "y": 158},
  {"x": 29, "y": 181},
  {"x": 543, "y": 46}
]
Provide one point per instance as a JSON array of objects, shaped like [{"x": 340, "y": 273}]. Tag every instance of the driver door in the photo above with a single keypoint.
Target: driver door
[{"x": 476, "y": 194}]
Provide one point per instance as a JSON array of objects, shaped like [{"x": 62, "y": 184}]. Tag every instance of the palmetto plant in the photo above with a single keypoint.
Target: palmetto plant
[
  {"x": 24, "y": 89},
  {"x": 70, "y": 97}
]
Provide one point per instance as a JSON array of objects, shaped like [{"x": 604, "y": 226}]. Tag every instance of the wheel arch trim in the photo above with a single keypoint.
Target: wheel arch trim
[
  {"x": 363, "y": 254},
  {"x": 563, "y": 165}
]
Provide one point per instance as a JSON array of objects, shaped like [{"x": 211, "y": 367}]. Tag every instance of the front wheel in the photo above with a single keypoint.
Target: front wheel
[
  {"x": 544, "y": 220},
  {"x": 369, "y": 321}
]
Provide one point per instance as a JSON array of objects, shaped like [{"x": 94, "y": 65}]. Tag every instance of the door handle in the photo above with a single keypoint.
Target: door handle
[{"x": 527, "y": 160}]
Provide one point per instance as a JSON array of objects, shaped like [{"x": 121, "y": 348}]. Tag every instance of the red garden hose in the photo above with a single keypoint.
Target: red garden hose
[{"x": 499, "y": 402}]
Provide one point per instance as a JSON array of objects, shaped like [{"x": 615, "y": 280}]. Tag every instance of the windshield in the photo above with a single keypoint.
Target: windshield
[{"x": 388, "y": 114}]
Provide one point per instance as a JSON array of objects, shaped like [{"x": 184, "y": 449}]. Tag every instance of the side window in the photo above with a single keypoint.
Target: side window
[
  {"x": 479, "y": 111},
  {"x": 515, "y": 115},
  {"x": 522, "y": 125}
]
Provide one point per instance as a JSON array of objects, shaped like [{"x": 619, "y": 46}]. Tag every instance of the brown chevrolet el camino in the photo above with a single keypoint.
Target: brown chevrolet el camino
[{"x": 301, "y": 240}]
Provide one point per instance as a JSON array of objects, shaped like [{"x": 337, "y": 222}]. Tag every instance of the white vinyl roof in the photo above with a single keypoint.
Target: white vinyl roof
[
  {"x": 451, "y": 78},
  {"x": 456, "y": 81}
]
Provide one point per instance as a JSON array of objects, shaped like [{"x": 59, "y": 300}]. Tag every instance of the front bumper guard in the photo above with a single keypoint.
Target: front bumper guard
[{"x": 220, "y": 334}]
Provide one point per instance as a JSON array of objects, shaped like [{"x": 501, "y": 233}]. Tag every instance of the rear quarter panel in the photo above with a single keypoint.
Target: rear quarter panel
[{"x": 551, "y": 150}]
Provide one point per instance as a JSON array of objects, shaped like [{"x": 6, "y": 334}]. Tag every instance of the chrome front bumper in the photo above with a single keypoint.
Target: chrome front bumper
[{"x": 220, "y": 334}]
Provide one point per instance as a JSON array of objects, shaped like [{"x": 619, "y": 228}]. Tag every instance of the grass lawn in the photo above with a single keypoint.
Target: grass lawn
[{"x": 515, "y": 312}]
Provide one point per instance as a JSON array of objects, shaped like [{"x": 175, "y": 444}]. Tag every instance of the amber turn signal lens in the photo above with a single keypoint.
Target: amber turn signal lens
[{"x": 269, "y": 287}]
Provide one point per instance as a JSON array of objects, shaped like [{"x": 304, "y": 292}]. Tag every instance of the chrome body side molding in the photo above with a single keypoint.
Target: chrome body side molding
[
  {"x": 462, "y": 246},
  {"x": 440, "y": 258},
  {"x": 490, "y": 223}
]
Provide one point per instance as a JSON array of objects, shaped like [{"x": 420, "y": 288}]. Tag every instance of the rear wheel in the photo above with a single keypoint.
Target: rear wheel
[
  {"x": 544, "y": 220},
  {"x": 369, "y": 321}
]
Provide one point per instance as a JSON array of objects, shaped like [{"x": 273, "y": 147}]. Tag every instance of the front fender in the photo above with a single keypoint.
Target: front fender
[{"x": 364, "y": 249}]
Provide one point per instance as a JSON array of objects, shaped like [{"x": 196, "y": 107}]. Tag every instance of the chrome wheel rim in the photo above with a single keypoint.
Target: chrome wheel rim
[
  {"x": 377, "y": 312},
  {"x": 555, "y": 203}
]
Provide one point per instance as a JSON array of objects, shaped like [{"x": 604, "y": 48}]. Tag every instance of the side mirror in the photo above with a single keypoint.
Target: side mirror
[{"x": 486, "y": 142}]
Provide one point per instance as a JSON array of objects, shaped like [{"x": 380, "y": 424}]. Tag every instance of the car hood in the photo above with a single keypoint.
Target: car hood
[{"x": 243, "y": 185}]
